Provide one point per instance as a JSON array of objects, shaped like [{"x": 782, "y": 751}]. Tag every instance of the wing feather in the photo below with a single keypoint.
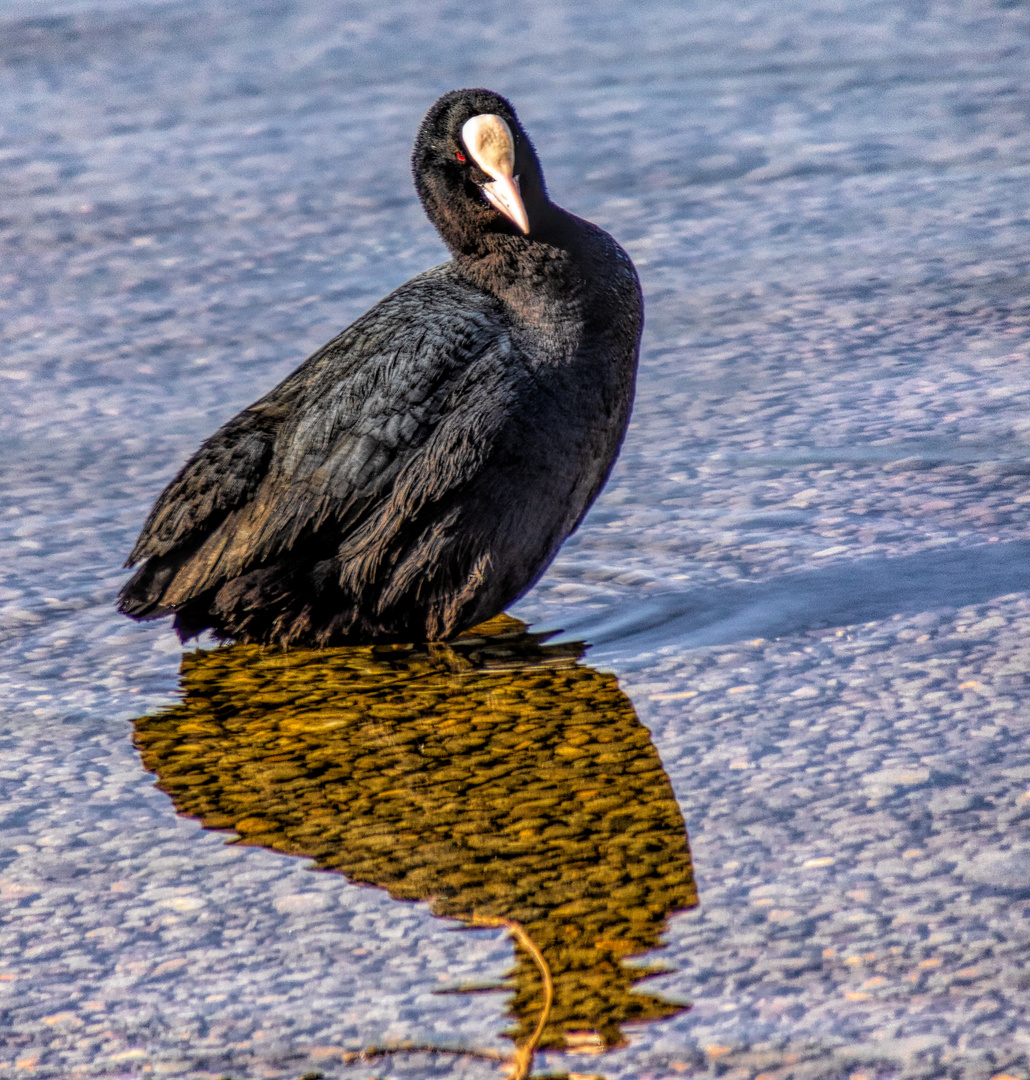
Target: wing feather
[{"x": 361, "y": 436}]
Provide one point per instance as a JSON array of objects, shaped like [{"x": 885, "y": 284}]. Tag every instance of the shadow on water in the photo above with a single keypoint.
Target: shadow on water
[
  {"x": 842, "y": 594},
  {"x": 496, "y": 777}
]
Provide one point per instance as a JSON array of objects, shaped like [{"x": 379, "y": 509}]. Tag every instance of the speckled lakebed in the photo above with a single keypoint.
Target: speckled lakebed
[{"x": 805, "y": 592}]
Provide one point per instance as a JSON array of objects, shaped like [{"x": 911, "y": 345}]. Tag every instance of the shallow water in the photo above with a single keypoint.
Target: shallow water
[{"x": 808, "y": 573}]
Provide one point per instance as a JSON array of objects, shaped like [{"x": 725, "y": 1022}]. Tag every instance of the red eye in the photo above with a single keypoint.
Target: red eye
[{"x": 460, "y": 156}]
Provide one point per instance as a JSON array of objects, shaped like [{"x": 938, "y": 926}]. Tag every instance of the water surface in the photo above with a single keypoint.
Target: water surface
[{"x": 804, "y": 593}]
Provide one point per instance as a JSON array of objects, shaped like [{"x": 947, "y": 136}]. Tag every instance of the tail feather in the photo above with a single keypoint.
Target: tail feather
[{"x": 143, "y": 594}]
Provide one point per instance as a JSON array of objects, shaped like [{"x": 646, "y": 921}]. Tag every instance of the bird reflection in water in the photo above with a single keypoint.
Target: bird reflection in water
[{"x": 496, "y": 777}]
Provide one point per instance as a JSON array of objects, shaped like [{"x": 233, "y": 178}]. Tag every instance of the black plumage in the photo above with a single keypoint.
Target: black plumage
[{"x": 419, "y": 472}]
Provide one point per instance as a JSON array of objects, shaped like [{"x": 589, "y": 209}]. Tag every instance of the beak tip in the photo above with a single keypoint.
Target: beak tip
[{"x": 503, "y": 195}]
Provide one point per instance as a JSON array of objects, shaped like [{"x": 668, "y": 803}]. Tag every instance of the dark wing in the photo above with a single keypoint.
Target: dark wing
[
  {"x": 222, "y": 475},
  {"x": 323, "y": 452}
]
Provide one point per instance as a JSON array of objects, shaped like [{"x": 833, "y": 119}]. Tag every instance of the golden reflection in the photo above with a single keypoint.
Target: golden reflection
[{"x": 495, "y": 777}]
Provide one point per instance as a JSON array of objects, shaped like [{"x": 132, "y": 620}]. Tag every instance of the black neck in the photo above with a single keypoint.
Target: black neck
[{"x": 544, "y": 264}]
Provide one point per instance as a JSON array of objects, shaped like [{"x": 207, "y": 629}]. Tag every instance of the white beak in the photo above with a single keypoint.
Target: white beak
[{"x": 489, "y": 140}]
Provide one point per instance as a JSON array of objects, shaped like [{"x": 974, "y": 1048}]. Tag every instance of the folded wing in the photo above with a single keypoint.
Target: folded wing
[{"x": 336, "y": 464}]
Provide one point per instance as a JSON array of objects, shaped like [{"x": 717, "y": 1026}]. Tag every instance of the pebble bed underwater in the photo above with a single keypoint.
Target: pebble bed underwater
[{"x": 776, "y": 764}]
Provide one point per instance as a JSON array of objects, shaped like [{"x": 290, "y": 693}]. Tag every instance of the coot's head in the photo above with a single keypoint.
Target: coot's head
[{"x": 476, "y": 171}]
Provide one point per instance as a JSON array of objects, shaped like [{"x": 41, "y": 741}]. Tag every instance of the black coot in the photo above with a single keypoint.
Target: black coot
[{"x": 419, "y": 472}]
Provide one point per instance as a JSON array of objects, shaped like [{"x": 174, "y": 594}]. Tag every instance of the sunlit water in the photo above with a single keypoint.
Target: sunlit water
[{"x": 806, "y": 589}]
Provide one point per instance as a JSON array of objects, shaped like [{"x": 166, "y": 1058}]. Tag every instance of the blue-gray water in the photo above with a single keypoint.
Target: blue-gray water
[{"x": 809, "y": 569}]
